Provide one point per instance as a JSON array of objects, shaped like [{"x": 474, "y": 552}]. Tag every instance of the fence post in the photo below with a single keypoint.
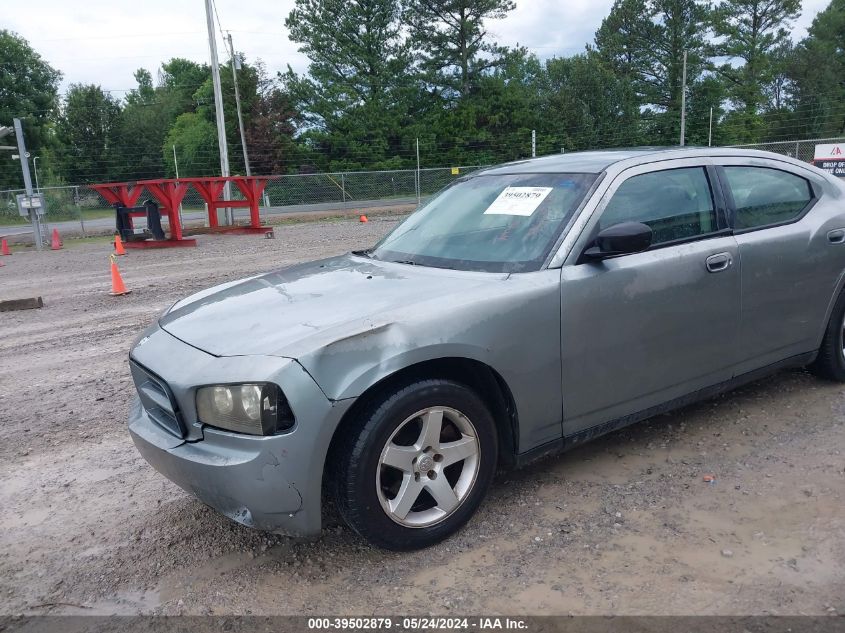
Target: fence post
[
  {"x": 343, "y": 188},
  {"x": 419, "y": 184},
  {"x": 79, "y": 209},
  {"x": 797, "y": 150}
]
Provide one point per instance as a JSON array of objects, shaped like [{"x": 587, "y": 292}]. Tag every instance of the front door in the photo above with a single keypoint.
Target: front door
[{"x": 645, "y": 328}]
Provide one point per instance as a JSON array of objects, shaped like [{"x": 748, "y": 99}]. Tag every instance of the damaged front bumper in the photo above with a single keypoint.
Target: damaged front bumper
[
  {"x": 270, "y": 483},
  {"x": 238, "y": 476}
]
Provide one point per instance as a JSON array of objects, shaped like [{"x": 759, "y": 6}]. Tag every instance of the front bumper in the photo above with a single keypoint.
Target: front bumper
[{"x": 271, "y": 483}]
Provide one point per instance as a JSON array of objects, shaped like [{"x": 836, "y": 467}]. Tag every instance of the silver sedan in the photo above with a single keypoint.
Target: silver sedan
[{"x": 524, "y": 310}]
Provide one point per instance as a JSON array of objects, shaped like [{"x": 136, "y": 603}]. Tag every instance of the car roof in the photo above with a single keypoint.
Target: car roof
[{"x": 597, "y": 161}]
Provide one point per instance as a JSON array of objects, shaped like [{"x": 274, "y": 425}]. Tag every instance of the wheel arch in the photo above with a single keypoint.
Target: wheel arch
[
  {"x": 838, "y": 290},
  {"x": 478, "y": 376}
]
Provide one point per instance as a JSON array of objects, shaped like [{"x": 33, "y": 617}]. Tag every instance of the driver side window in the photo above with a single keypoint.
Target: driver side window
[{"x": 676, "y": 204}]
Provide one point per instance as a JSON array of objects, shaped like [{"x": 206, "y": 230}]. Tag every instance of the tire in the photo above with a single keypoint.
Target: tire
[
  {"x": 830, "y": 362},
  {"x": 393, "y": 471}
]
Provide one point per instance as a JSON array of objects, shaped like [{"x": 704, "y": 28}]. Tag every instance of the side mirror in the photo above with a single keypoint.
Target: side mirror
[{"x": 620, "y": 239}]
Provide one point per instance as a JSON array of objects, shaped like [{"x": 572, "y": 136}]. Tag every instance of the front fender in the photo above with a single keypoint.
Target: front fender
[{"x": 515, "y": 331}]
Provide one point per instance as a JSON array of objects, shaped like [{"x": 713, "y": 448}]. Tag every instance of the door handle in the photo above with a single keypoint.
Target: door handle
[
  {"x": 836, "y": 236},
  {"x": 718, "y": 262}
]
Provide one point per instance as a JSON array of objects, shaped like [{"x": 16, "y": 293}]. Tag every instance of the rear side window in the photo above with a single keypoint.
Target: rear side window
[
  {"x": 766, "y": 196},
  {"x": 676, "y": 203}
]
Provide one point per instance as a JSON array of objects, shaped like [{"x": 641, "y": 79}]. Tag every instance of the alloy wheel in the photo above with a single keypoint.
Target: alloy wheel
[{"x": 428, "y": 467}]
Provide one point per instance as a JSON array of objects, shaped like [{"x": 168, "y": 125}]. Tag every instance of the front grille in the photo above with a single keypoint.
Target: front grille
[{"x": 157, "y": 400}]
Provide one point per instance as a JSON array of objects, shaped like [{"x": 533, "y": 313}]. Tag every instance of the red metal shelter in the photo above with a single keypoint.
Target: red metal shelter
[
  {"x": 125, "y": 194},
  {"x": 250, "y": 186},
  {"x": 169, "y": 193}
]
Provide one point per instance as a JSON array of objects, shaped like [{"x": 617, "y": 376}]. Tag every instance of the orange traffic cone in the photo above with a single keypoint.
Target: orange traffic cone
[
  {"x": 363, "y": 218},
  {"x": 118, "y": 245},
  {"x": 56, "y": 242},
  {"x": 117, "y": 286},
  {"x": 4, "y": 247}
]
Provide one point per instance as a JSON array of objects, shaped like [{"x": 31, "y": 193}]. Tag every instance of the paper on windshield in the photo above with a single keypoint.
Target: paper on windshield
[{"x": 518, "y": 201}]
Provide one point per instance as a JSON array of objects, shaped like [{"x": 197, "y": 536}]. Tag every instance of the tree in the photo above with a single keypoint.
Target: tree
[
  {"x": 150, "y": 111},
  {"x": 623, "y": 42},
  {"x": 178, "y": 82},
  {"x": 29, "y": 91},
  {"x": 271, "y": 127},
  {"x": 751, "y": 32},
  {"x": 493, "y": 122},
  {"x": 195, "y": 139},
  {"x": 354, "y": 95},
  {"x": 87, "y": 129},
  {"x": 644, "y": 41},
  {"x": 141, "y": 131},
  {"x": 590, "y": 106},
  {"x": 451, "y": 38},
  {"x": 817, "y": 75},
  {"x": 248, "y": 82}
]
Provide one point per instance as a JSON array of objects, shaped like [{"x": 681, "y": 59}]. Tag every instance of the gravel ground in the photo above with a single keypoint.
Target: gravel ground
[{"x": 625, "y": 525}]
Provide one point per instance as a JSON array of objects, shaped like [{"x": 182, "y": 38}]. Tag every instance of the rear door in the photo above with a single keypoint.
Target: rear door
[
  {"x": 792, "y": 250},
  {"x": 642, "y": 329}
]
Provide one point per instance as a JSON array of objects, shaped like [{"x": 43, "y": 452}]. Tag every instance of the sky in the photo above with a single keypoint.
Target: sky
[{"x": 105, "y": 41}]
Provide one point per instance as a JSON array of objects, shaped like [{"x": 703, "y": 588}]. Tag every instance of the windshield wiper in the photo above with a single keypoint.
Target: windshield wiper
[
  {"x": 368, "y": 253},
  {"x": 404, "y": 261}
]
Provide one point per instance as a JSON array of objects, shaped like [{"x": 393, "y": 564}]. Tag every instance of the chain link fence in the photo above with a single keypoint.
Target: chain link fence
[
  {"x": 304, "y": 192},
  {"x": 284, "y": 194},
  {"x": 802, "y": 150}
]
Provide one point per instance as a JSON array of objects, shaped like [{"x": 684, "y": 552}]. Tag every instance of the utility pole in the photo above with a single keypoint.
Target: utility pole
[
  {"x": 218, "y": 108},
  {"x": 235, "y": 65},
  {"x": 533, "y": 143},
  {"x": 27, "y": 183},
  {"x": 684, "y": 103}
]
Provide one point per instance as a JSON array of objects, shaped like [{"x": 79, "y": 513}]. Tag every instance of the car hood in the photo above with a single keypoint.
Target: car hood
[{"x": 295, "y": 310}]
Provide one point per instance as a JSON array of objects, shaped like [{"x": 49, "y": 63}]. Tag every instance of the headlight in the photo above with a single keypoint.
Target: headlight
[{"x": 256, "y": 409}]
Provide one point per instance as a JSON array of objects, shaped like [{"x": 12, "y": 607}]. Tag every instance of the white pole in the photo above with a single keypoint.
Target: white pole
[
  {"x": 35, "y": 167},
  {"x": 238, "y": 105},
  {"x": 684, "y": 103},
  {"x": 533, "y": 143},
  {"x": 419, "y": 184},
  {"x": 176, "y": 165},
  {"x": 218, "y": 108},
  {"x": 710, "y": 135}
]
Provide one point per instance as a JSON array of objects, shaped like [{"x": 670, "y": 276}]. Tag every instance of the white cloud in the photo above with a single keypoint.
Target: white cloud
[{"x": 105, "y": 41}]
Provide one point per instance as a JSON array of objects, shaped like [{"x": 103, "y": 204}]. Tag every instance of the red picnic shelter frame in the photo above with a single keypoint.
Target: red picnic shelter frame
[
  {"x": 125, "y": 194},
  {"x": 250, "y": 186},
  {"x": 170, "y": 192}
]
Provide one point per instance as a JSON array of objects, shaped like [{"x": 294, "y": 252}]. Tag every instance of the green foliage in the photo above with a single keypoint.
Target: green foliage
[
  {"x": 644, "y": 41},
  {"x": 592, "y": 105},
  {"x": 87, "y": 130},
  {"x": 196, "y": 141},
  {"x": 751, "y": 33},
  {"x": 355, "y": 97},
  {"x": 29, "y": 91},
  {"x": 450, "y": 38},
  {"x": 817, "y": 73},
  {"x": 140, "y": 133}
]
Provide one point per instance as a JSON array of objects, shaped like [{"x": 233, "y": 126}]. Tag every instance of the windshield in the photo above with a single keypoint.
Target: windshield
[{"x": 488, "y": 223}]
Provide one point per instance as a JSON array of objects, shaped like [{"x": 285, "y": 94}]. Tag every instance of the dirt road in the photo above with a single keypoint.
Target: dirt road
[{"x": 625, "y": 525}]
